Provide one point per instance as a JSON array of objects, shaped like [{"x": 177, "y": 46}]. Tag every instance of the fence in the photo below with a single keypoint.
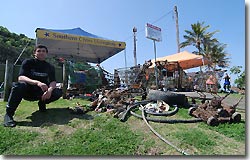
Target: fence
[
  {"x": 67, "y": 75},
  {"x": 129, "y": 75}
]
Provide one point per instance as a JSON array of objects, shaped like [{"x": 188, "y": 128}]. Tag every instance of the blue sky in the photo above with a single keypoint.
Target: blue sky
[{"x": 115, "y": 19}]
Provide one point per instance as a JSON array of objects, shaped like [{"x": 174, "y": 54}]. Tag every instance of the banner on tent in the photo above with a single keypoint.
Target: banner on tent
[{"x": 44, "y": 34}]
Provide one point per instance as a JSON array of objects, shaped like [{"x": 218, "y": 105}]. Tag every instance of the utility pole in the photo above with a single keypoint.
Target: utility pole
[
  {"x": 177, "y": 29},
  {"x": 134, "y": 31}
]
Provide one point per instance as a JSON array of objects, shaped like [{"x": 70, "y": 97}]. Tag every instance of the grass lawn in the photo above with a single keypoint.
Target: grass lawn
[{"x": 58, "y": 132}]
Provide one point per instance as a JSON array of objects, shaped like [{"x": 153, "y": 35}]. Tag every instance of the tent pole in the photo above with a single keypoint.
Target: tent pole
[
  {"x": 21, "y": 52},
  {"x": 125, "y": 58}
]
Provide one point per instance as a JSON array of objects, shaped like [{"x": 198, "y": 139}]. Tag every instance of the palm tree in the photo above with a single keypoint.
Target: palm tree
[
  {"x": 217, "y": 56},
  {"x": 207, "y": 46},
  {"x": 198, "y": 37}
]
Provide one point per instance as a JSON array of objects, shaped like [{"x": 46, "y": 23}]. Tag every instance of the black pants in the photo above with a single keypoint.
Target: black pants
[{"x": 22, "y": 90}]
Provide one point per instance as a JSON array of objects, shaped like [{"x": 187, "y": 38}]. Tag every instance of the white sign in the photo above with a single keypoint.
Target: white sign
[{"x": 153, "y": 32}]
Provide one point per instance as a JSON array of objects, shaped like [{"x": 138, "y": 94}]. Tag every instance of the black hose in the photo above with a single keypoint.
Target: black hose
[
  {"x": 168, "y": 120},
  {"x": 125, "y": 114}
]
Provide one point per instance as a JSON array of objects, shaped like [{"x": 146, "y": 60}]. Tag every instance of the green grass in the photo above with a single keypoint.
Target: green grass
[
  {"x": 12, "y": 140},
  {"x": 109, "y": 138},
  {"x": 197, "y": 138},
  {"x": 58, "y": 132},
  {"x": 234, "y": 131}
]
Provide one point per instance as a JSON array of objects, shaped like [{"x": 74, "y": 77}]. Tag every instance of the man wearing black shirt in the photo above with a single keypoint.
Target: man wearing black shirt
[{"x": 36, "y": 82}]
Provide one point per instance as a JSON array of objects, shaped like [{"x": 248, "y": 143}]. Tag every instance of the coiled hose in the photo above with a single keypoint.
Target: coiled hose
[
  {"x": 125, "y": 114},
  {"x": 129, "y": 110},
  {"x": 168, "y": 120}
]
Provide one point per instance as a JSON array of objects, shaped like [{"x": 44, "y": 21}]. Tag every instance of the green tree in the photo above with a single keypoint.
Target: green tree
[
  {"x": 12, "y": 44},
  {"x": 217, "y": 56},
  {"x": 240, "y": 80}
]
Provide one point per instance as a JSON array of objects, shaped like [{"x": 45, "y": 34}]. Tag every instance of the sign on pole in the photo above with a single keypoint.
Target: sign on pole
[{"x": 153, "y": 32}]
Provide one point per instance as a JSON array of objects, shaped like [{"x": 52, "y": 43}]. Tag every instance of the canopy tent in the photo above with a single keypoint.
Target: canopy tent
[
  {"x": 185, "y": 59},
  {"x": 79, "y": 44}
]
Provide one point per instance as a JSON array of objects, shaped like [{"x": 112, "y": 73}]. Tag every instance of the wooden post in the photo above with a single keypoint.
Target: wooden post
[
  {"x": 65, "y": 80},
  {"x": 177, "y": 29},
  {"x": 8, "y": 77}
]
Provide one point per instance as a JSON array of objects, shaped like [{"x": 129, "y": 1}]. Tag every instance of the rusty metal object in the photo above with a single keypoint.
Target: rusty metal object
[
  {"x": 216, "y": 112},
  {"x": 113, "y": 101}
]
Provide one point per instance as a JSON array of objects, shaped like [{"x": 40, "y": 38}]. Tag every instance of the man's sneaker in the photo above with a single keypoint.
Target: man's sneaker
[
  {"x": 42, "y": 106},
  {"x": 8, "y": 121}
]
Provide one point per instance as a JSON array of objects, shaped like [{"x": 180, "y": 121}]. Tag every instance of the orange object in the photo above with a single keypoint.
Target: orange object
[{"x": 185, "y": 59}]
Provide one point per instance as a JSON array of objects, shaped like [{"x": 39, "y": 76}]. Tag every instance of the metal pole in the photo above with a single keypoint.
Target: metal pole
[
  {"x": 156, "y": 74},
  {"x": 135, "y": 30},
  {"x": 126, "y": 74},
  {"x": 125, "y": 57}
]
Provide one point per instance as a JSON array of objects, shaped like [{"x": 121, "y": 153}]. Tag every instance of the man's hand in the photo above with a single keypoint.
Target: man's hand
[
  {"x": 46, "y": 95},
  {"x": 43, "y": 86}
]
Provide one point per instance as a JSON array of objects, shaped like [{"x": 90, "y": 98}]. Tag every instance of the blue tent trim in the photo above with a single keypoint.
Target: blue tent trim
[{"x": 75, "y": 31}]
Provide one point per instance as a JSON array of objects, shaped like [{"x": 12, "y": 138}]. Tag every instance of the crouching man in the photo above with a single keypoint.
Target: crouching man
[{"x": 36, "y": 82}]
